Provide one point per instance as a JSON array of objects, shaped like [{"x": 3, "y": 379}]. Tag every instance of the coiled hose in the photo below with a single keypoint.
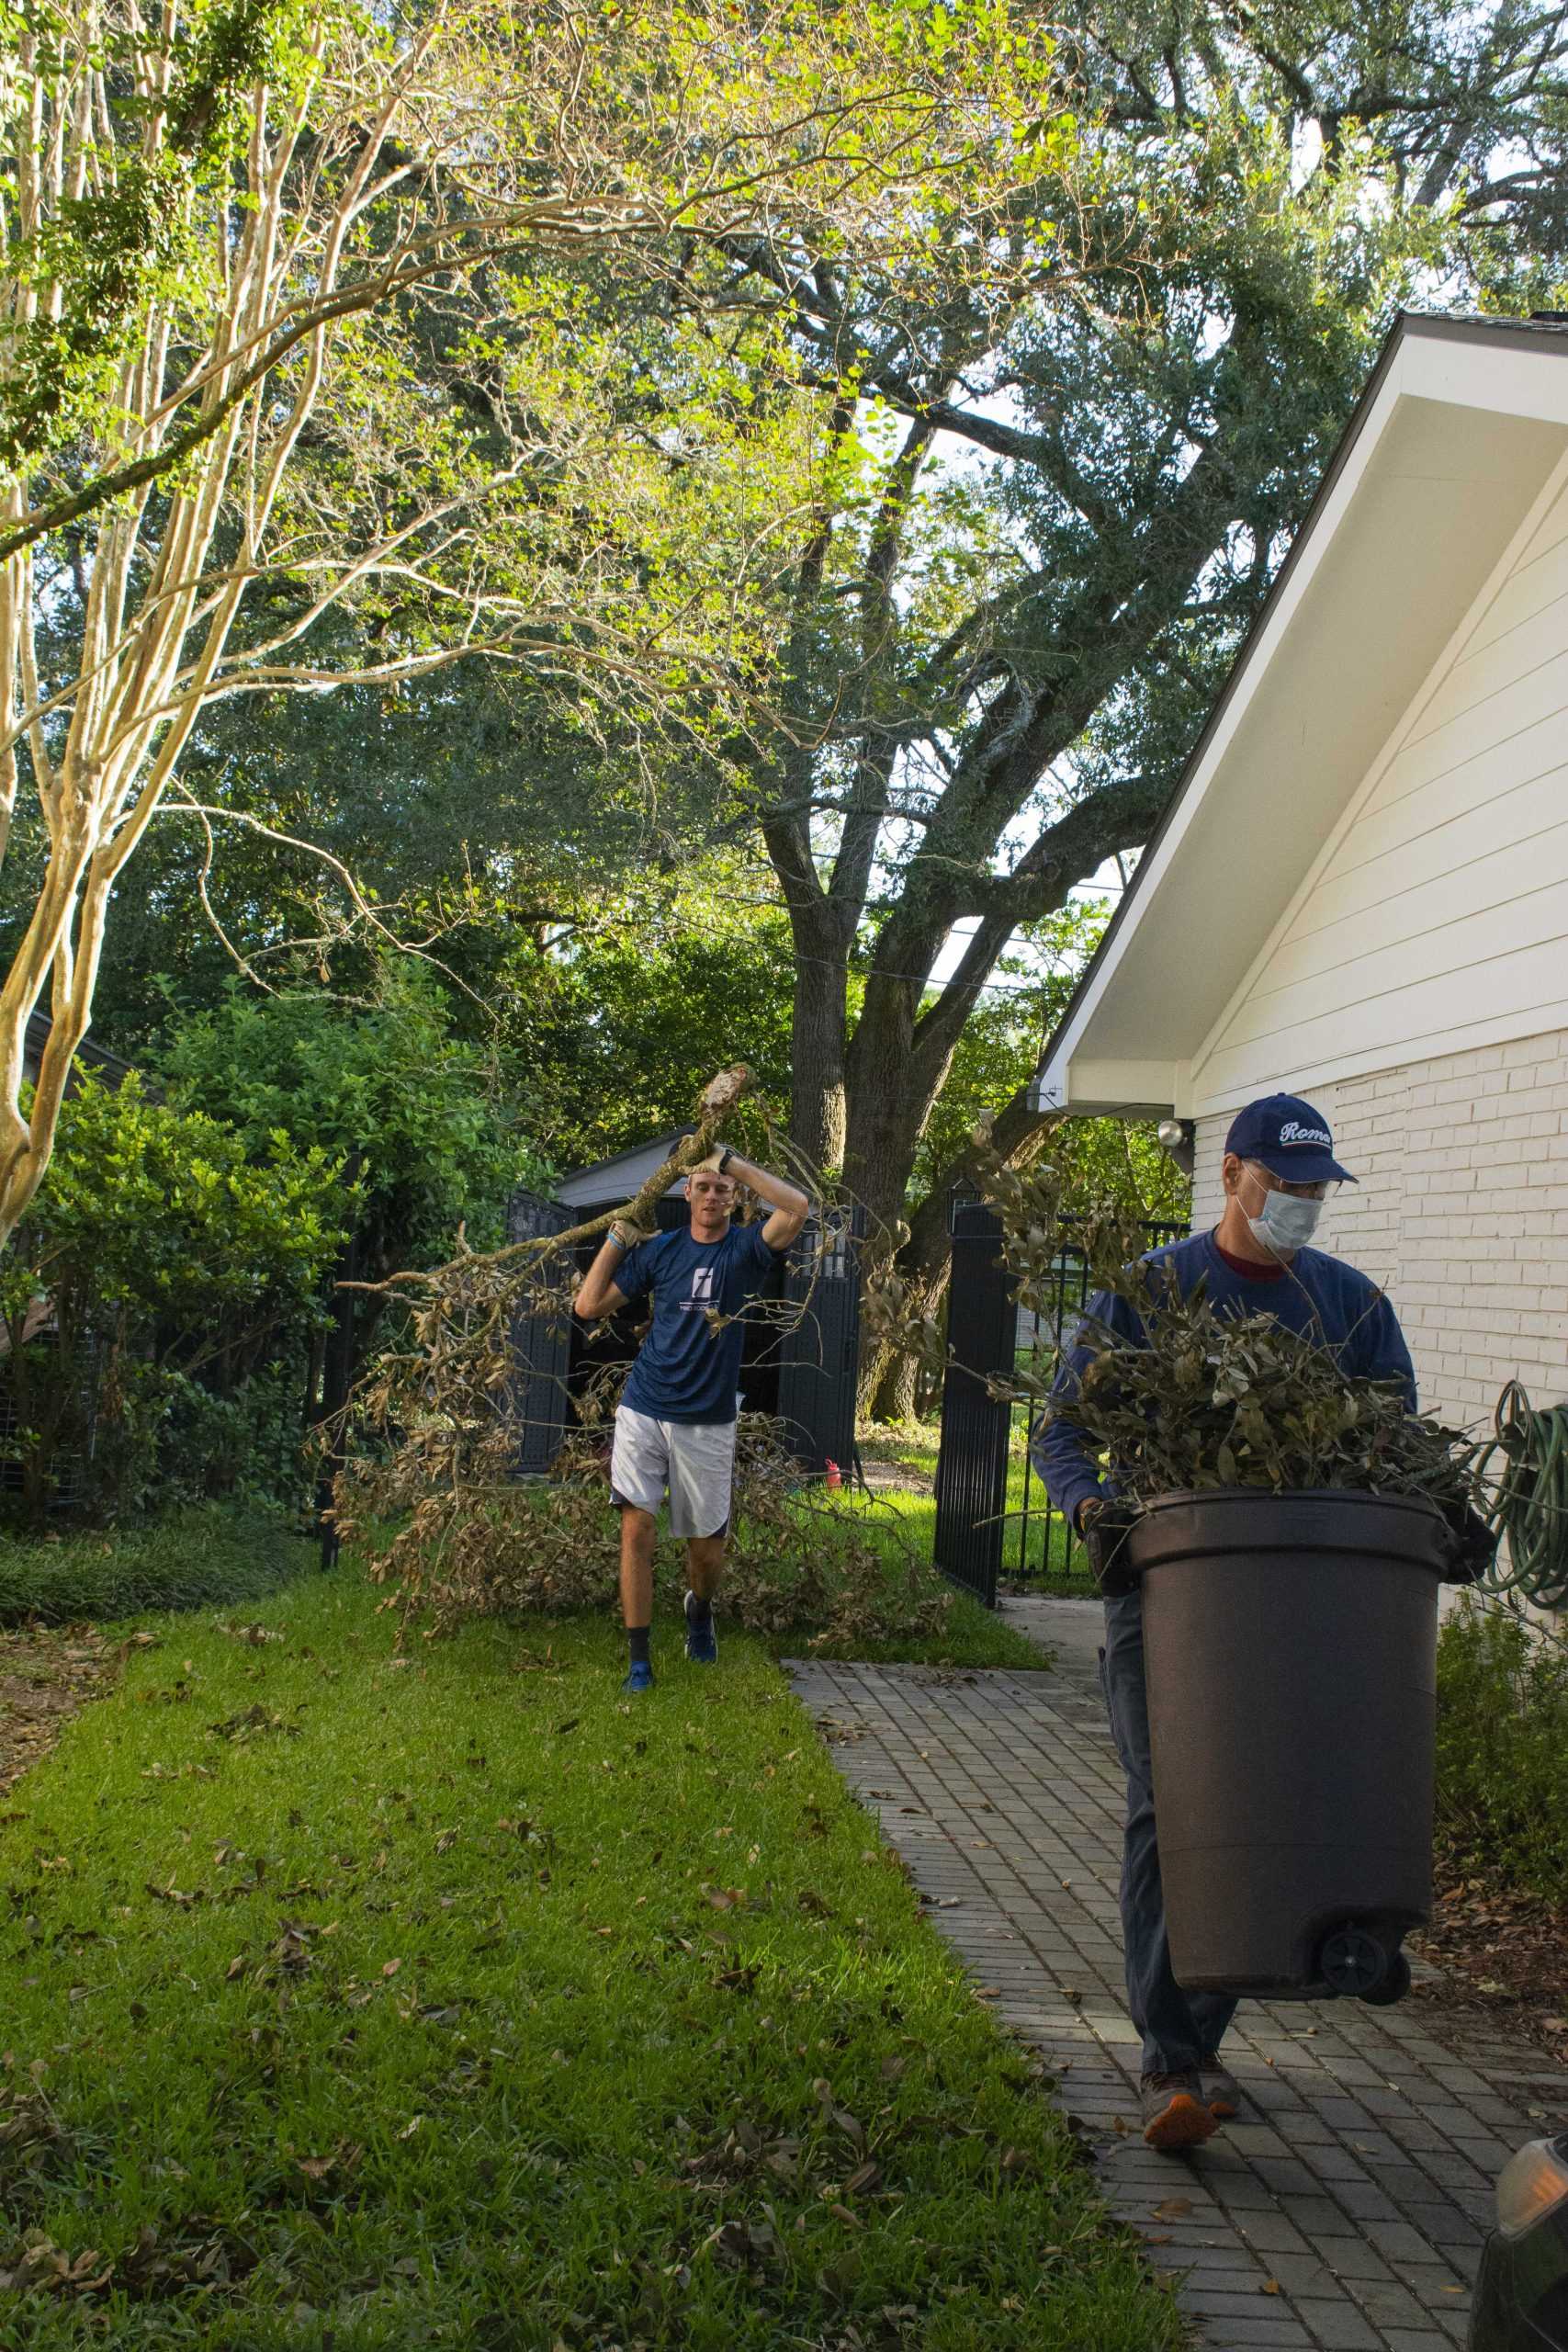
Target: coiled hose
[{"x": 1527, "y": 1459}]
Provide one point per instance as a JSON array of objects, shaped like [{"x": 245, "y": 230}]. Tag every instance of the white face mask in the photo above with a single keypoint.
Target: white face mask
[{"x": 1287, "y": 1223}]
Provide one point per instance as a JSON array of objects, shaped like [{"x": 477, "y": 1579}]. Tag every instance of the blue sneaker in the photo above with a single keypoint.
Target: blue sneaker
[
  {"x": 702, "y": 1642},
  {"x": 640, "y": 1678}
]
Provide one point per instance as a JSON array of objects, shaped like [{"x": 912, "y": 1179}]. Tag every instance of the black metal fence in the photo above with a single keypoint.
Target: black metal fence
[
  {"x": 993, "y": 1515},
  {"x": 818, "y": 1347},
  {"x": 541, "y": 1348},
  {"x": 972, "y": 1460}
]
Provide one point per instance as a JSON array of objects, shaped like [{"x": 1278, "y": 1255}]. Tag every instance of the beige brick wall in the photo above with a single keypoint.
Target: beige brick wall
[{"x": 1461, "y": 1213}]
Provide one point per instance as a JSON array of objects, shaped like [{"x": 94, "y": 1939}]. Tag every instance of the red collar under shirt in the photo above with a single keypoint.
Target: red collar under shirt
[{"x": 1244, "y": 1267}]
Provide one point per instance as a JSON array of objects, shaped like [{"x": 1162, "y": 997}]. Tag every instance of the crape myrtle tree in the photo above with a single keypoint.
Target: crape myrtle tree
[
  {"x": 1053, "y": 494},
  {"x": 293, "y": 327}
]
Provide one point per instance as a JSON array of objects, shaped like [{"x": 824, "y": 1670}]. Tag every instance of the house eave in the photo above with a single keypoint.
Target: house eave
[
  {"x": 1459, "y": 426},
  {"x": 1081, "y": 1089}
]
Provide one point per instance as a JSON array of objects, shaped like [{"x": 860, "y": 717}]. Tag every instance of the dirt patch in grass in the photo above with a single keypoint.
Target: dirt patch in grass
[
  {"x": 896, "y": 1478},
  {"x": 47, "y": 1676},
  {"x": 1502, "y": 1954}
]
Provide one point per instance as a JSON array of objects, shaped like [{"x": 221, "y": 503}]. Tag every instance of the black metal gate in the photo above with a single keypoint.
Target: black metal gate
[
  {"x": 819, "y": 1353},
  {"x": 980, "y": 1526},
  {"x": 971, "y": 1463},
  {"x": 541, "y": 1350},
  {"x": 1038, "y": 1544}
]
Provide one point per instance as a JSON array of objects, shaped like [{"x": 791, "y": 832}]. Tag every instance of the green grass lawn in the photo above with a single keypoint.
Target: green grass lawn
[
  {"x": 902, "y": 1526},
  {"x": 210, "y": 1552},
  {"x": 364, "y": 2003},
  {"x": 1034, "y": 1546}
]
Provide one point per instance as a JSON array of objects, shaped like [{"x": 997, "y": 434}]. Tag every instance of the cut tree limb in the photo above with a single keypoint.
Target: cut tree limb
[{"x": 715, "y": 1107}]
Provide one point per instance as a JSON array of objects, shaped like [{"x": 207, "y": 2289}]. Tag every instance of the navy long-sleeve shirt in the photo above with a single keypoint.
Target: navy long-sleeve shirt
[{"x": 1320, "y": 1296}]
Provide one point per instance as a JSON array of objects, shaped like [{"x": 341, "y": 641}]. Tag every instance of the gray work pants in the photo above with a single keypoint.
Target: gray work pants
[{"x": 1179, "y": 2029}]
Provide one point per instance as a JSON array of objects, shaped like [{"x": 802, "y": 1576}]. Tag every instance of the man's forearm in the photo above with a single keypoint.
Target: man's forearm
[
  {"x": 599, "y": 1279},
  {"x": 1066, "y": 1466},
  {"x": 767, "y": 1187}
]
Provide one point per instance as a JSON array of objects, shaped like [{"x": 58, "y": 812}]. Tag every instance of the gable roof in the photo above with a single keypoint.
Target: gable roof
[
  {"x": 108, "y": 1066},
  {"x": 1459, "y": 430},
  {"x": 621, "y": 1178}
]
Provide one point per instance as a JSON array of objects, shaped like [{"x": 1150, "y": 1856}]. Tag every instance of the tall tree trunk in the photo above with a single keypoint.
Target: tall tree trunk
[
  {"x": 897, "y": 1395},
  {"x": 817, "y": 1103},
  {"x": 925, "y": 1260}
]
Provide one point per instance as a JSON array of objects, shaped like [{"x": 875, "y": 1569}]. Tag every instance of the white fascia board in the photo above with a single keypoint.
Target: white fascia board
[
  {"x": 1110, "y": 1090},
  {"x": 1517, "y": 378},
  {"x": 1158, "y": 859}
]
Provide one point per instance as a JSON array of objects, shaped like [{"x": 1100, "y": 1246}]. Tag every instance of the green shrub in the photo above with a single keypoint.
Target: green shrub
[
  {"x": 384, "y": 1089},
  {"x": 1503, "y": 1750},
  {"x": 163, "y": 1263},
  {"x": 196, "y": 1559}
]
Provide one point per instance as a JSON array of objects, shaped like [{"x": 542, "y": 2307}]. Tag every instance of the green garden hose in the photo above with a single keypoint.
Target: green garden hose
[{"x": 1530, "y": 1508}]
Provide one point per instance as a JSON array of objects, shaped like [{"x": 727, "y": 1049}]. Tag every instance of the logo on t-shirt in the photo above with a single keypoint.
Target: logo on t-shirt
[{"x": 702, "y": 1283}]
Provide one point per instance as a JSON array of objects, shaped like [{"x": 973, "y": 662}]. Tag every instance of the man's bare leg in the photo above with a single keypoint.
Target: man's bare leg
[
  {"x": 638, "y": 1531},
  {"x": 704, "y": 1566}
]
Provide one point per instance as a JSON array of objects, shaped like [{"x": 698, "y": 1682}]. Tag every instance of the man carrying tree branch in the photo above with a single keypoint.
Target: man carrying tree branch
[{"x": 675, "y": 1423}]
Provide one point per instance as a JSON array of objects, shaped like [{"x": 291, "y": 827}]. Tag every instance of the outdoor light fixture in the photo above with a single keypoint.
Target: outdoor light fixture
[{"x": 1178, "y": 1136}]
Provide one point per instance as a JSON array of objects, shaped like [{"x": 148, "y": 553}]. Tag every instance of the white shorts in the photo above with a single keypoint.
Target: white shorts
[{"x": 695, "y": 1459}]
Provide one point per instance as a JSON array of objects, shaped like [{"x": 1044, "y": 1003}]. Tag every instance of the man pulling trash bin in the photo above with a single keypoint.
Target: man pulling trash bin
[{"x": 1278, "y": 1168}]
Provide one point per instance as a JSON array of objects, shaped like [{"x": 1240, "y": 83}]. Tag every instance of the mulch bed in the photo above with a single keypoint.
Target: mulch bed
[
  {"x": 46, "y": 1674},
  {"x": 1502, "y": 1955}
]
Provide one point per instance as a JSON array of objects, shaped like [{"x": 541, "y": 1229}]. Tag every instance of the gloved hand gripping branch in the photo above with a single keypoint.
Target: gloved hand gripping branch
[
  {"x": 1475, "y": 1544},
  {"x": 1105, "y": 1547}
]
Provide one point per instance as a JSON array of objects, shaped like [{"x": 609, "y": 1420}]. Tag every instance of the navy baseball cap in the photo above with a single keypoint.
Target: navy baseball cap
[{"x": 1290, "y": 1139}]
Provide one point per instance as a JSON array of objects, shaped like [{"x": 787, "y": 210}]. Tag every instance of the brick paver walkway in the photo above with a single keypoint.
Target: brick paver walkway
[{"x": 1343, "y": 2211}]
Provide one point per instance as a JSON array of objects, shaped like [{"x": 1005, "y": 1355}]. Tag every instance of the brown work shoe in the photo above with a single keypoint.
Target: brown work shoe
[
  {"x": 1176, "y": 2114},
  {"x": 1222, "y": 2092}
]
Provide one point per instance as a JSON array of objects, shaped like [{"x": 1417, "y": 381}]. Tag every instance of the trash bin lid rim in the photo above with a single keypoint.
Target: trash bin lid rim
[
  {"x": 1183, "y": 1494},
  {"x": 1218, "y": 1522}
]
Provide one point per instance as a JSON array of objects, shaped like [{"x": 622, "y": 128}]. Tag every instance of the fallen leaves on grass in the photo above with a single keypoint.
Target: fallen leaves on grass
[
  {"x": 335, "y": 2167},
  {"x": 251, "y": 1721},
  {"x": 28, "y": 2121},
  {"x": 41, "y": 2267}
]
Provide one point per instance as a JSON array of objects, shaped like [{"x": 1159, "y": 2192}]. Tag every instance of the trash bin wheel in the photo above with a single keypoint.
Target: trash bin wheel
[
  {"x": 1395, "y": 1986},
  {"x": 1353, "y": 1961}
]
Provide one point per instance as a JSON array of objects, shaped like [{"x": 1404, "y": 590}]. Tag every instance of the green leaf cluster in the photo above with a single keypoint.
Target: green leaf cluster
[
  {"x": 164, "y": 1214},
  {"x": 155, "y": 1301},
  {"x": 381, "y": 1089},
  {"x": 1214, "y": 1400}
]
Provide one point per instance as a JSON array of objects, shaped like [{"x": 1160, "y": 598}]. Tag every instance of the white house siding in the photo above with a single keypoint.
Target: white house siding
[
  {"x": 1208, "y": 1150},
  {"x": 1461, "y": 1211},
  {"x": 1437, "y": 918}
]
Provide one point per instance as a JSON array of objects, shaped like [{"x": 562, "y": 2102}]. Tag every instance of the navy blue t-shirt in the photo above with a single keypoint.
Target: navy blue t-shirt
[
  {"x": 1320, "y": 1296},
  {"x": 685, "y": 1371}
]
